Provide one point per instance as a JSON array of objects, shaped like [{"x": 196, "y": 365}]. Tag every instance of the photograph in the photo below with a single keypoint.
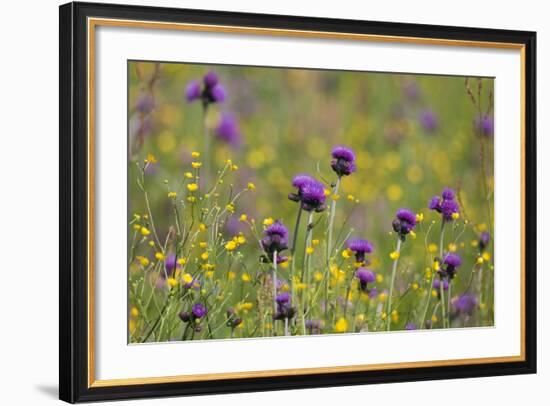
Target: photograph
[{"x": 271, "y": 202}]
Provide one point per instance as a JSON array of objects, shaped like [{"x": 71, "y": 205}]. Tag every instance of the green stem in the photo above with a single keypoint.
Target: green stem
[
  {"x": 274, "y": 286},
  {"x": 392, "y": 282}
]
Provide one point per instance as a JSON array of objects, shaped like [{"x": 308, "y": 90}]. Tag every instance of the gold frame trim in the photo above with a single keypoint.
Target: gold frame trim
[{"x": 95, "y": 22}]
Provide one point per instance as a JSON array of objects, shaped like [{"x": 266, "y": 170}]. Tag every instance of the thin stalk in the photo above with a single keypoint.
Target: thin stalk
[
  {"x": 206, "y": 140},
  {"x": 331, "y": 220},
  {"x": 449, "y": 305},
  {"x": 442, "y": 298},
  {"x": 393, "y": 272},
  {"x": 274, "y": 284},
  {"x": 441, "y": 291},
  {"x": 293, "y": 249},
  {"x": 305, "y": 272}
]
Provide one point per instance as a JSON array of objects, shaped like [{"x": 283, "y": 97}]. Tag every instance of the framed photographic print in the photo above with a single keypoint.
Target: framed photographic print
[{"x": 257, "y": 202}]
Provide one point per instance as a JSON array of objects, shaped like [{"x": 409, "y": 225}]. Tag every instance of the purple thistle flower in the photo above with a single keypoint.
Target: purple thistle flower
[
  {"x": 199, "y": 310},
  {"x": 184, "y": 316},
  {"x": 210, "y": 92},
  {"x": 437, "y": 284},
  {"x": 314, "y": 326},
  {"x": 451, "y": 262},
  {"x": 228, "y": 130},
  {"x": 360, "y": 248},
  {"x": 343, "y": 162},
  {"x": 313, "y": 196},
  {"x": 465, "y": 304},
  {"x": 283, "y": 298},
  {"x": 299, "y": 181},
  {"x": 448, "y": 208},
  {"x": 210, "y": 79},
  {"x": 365, "y": 277},
  {"x": 170, "y": 263},
  {"x": 446, "y": 204},
  {"x": 410, "y": 326},
  {"x": 285, "y": 310},
  {"x": 485, "y": 125},
  {"x": 218, "y": 94},
  {"x": 484, "y": 240},
  {"x": 145, "y": 103},
  {"x": 448, "y": 194},
  {"x": 373, "y": 293},
  {"x": 428, "y": 120},
  {"x": 275, "y": 239},
  {"x": 435, "y": 204},
  {"x": 404, "y": 222},
  {"x": 193, "y": 91}
]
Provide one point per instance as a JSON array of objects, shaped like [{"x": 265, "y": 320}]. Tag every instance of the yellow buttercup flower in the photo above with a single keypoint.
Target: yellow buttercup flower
[
  {"x": 160, "y": 256},
  {"x": 419, "y": 217},
  {"x": 394, "y": 255},
  {"x": 341, "y": 326},
  {"x": 347, "y": 253},
  {"x": 315, "y": 242},
  {"x": 134, "y": 312},
  {"x": 202, "y": 227},
  {"x": 144, "y": 231},
  {"x": 310, "y": 250},
  {"x": 196, "y": 165},
  {"x": 486, "y": 256},
  {"x": 241, "y": 240},
  {"x": 172, "y": 282},
  {"x": 379, "y": 278},
  {"x": 137, "y": 227},
  {"x": 195, "y": 154},
  {"x": 203, "y": 244},
  {"x": 181, "y": 261},
  {"x": 318, "y": 276},
  {"x": 268, "y": 221},
  {"x": 188, "y": 175},
  {"x": 452, "y": 247},
  {"x": 150, "y": 159},
  {"x": 455, "y": 216},
  {"x": 192, "y": 187},
  {"x": 243, "y": 218},
  {"x": 245, "y": 277},
  {"x": 172, "y": 195},
  {"x": 142, "y": 260},
  {"x": 204, "y": 256},
  {"x": 432, "y": 248},
  {"x": 230, "y": 208},
  {"x": 231, "y": 245}
]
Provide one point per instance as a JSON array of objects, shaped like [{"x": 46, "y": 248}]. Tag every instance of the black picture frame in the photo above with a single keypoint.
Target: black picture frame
[{"x": 73, "y": 284}]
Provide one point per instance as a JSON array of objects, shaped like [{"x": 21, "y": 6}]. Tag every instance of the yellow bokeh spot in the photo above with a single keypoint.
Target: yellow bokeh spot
[
  {"x": 394, "y": 192},
  {"x": 166, "y": 142},
  {"x": 414, "y": 174}
]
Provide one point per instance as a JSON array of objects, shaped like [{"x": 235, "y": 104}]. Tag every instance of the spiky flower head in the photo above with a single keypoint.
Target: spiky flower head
[
  {"x": 199, "y": 310},
  {"x": 365, "y": 277},
  {"x": 428, "y": 120},
  {"x": 343, "y": 160},
  {"x": 228, "y": 131},
  {"x": 446, "y": 204},
  {"x": 285, "y": 310},
  {"x": 275, "y": 239},
  {"x": 210, "y": 92},
  {"x": 360, "y": 247},
  {"x": 404, "y": 223},
  {"x": 313, "y": 197},
  {"x": 465, "y": 304}
]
